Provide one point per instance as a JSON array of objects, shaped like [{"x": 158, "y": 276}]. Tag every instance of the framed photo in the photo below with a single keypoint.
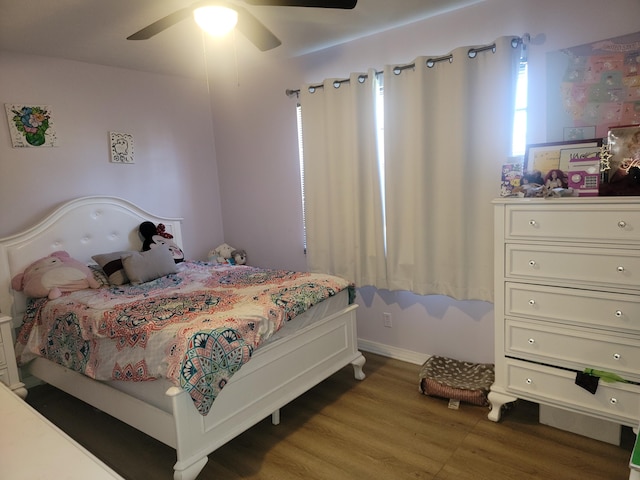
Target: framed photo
[
  {"x": 545, "y": 157},
  {"x": 624, "y": 147},
  {"x": 621, "y": 154}
]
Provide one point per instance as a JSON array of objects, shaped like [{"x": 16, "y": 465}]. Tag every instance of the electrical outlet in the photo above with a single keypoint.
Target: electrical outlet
[{"x": 386, "y": 318}]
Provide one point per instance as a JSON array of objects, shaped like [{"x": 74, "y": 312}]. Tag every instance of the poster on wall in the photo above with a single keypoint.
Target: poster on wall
[
  {"x": 31, "y": 126},
  {"x": 121, "y": 146},
  {"x": 593, "y": 87}
]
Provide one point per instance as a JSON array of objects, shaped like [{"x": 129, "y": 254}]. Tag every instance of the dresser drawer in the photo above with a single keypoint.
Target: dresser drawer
[
  {"x": 573, "y": 347},
  {"x": 608, "y": 311},
  {"x": 591, "y": 266},
  {"x": 617, "y": 402},
  {"x": 607, "y": 223}
]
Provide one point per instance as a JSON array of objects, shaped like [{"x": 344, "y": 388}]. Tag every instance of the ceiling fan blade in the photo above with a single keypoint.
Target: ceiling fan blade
[
  {"x": 344, "y": 4},
  {"x": 248, "y": 25},
  {"x": 162, "y": 24},
  {"x": 255, "y": 31}
]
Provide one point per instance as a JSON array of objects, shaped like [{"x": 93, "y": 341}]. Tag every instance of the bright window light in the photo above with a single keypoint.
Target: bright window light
[
  {"x": 520, "y": 114},
  {"x": 216, "y": 21}
]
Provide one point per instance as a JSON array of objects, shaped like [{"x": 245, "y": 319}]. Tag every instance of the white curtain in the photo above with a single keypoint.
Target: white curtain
[
  {"x": 343, "y": 197},
  {"x": 447, "y": 132}
]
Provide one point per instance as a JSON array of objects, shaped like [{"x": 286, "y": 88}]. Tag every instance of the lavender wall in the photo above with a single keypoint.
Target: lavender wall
[{"x": 175, "y": 171}]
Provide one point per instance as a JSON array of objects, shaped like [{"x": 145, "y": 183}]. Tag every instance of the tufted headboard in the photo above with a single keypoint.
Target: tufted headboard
[{"x": 83, "y": 227}]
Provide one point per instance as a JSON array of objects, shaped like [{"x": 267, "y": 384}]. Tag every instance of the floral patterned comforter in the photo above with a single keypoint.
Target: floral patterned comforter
[{"x": 196, "y": 327}]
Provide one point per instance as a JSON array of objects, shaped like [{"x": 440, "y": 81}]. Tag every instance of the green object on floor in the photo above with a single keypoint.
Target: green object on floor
[
  {"x": 605, "y": 376},
  {"x": 635, "y": 455}
]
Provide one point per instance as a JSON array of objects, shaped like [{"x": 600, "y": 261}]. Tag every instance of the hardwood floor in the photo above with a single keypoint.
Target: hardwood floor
[{"x": 344, "y": 429}]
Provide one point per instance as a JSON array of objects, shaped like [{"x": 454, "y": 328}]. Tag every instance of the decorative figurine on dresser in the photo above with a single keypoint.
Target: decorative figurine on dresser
[
  {"x": 8, "y": 368},
  {"x": 567, "y": 306}
]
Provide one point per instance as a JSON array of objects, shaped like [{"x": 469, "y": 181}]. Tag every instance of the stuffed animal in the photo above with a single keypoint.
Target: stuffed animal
[
  {"x": 52, "y": 275},
  {"x": 239, "y": 257},
  {"x": 221, "y": 253},
  {"x": 153, "y": 236}
]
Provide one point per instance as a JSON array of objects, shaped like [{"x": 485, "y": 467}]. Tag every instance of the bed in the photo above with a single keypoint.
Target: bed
[{"x": 305, "y": 351}]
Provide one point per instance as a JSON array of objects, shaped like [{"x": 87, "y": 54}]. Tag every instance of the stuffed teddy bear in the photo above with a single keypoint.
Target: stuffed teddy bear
[
  {"x": 239, "y": 257},
  {"x": 52, "y": 275},
  {"x": 153, "y": 236},
  {"x": 221, "y": 254}
]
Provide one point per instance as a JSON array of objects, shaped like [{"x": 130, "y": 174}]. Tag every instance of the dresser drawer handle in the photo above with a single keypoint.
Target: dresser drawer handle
[
  {"x": 617, "y": 356},
  {"x": 621, "y": 268},
  {"x": 618, "y": 313},
  {"x": 528, "y": 381},
  {"x": 622, "y": 224},
  {"x": 613, "y": 400},
  {"x": 533, "y": 223},
  {"x": 532, "y": 263},
  {"x": 531, "y": 341},
  {"x": 532, "y": 302}
]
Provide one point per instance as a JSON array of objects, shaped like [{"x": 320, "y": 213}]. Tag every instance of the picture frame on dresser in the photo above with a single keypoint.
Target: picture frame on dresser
[
  {"x": 544, "y": 157},
  {"x": 624, "y": 145}
]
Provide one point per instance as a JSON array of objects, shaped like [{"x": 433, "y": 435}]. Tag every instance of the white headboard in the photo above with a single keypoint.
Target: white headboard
[{"x": 83, "y": 227}]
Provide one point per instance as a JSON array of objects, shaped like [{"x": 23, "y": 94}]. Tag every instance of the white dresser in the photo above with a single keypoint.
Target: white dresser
[{"x": 567, "y": 297}]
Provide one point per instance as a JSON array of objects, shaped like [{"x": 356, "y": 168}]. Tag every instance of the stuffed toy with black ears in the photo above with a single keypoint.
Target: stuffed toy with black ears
[
  {"x": 153, "y": 235},
  {"x": 239, "y": 257}
]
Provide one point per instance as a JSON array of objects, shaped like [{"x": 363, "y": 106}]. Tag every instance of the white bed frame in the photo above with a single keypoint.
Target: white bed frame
[{"x": 277, "y": 373}]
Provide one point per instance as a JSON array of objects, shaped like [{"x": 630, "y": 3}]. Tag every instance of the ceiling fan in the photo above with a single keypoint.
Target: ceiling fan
[{"x": 248, "y": 25}]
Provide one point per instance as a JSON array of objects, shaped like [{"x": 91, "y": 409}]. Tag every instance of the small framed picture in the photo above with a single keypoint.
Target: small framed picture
[
  {"x": 545, "y": 157},
  {"x": 31, "y": 125},
  {"x": 578, "y": 133},
  {"x": 121, "y": 147}
]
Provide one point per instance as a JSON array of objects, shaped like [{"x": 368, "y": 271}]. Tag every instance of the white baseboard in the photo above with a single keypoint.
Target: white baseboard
[{"x": 393, "y": 352}]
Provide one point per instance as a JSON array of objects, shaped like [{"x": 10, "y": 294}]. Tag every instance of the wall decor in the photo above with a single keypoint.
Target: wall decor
[
  {"x": 121, "y": 146},
  {"x": 31, "y": 125},
  {"x": 593, "y": 86},
  {"x": 579, "y": 133}
]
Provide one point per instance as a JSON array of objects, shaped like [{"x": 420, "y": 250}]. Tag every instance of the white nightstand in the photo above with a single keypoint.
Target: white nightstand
[{"x": 8, "y": 368}]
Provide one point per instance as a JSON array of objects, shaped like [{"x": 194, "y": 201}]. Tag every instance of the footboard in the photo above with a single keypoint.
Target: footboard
[{"x": 275, "y": 376}]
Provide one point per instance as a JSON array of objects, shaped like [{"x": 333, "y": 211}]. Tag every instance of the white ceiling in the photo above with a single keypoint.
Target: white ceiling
[{"x": 95, "y": 31}]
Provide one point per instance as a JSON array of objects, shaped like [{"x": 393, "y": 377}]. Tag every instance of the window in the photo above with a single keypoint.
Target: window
[
  {"x": 301, "y": 160},
  {"x": 519, "y": 133},
  {"x": 520, "y": 115}
]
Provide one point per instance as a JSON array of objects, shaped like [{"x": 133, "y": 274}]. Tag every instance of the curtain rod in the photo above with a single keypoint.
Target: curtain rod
[{"x": 430, "y": 63}]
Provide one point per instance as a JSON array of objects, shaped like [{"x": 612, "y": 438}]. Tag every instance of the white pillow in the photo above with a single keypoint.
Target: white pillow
[{"x": 143, "y": 267}]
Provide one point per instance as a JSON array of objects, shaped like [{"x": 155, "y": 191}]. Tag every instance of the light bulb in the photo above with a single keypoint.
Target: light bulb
[{"x": 216, "y": 20}]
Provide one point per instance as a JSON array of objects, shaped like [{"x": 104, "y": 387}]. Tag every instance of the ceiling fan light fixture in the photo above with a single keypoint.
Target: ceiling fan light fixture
[{"x": 216, "y": 20}]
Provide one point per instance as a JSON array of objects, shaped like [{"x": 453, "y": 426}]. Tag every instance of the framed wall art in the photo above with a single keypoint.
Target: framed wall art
[
  {"x": 121, "y": 147},
  {"x": 31, "y": 125}
]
